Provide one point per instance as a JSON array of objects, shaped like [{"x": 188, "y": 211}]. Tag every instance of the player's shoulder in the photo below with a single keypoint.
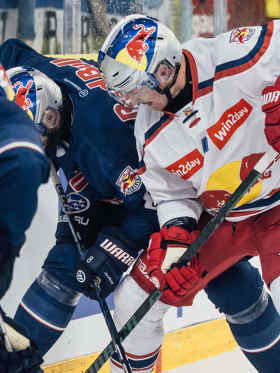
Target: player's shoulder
[
  {"x": 147, "y": 117},
  {"x": 233, "y": 44}
]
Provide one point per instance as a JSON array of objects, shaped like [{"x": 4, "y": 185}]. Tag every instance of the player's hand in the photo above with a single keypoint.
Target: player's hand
[
  {"x": 165, "y": 248},
  {"x": 103, "y": 265},
  {"x": 271, "y": 108},
  {"x": 181, "y": 281}
]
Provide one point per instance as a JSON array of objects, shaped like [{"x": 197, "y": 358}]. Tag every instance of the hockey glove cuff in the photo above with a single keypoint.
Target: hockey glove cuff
[{"x": 104, "y": 264}]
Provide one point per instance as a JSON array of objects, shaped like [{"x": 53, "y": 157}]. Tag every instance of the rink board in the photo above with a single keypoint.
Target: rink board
[{"x": 180, "y": 347}]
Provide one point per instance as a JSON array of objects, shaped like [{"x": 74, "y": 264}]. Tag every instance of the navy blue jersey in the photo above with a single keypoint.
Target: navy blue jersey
[
  {"x": 21, "y": 155},
  {"x": 102, "y": 151},
  {"x": 102, "y": 143}
]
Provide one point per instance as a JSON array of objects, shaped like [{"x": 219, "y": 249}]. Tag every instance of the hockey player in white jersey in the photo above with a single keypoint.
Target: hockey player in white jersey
[{"x": 207, "y": 113}]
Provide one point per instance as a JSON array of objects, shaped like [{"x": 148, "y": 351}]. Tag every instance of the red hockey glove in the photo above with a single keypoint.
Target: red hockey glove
[
  {"x": 181, "y": 281},
  {"x": 271, "y": 107},
  {"x": 165, "y": 248}
]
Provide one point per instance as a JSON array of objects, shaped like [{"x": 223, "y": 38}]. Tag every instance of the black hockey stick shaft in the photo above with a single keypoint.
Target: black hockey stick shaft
[
  {"x": 102, "y": 303},
  {"x": 266, "y": 161}
]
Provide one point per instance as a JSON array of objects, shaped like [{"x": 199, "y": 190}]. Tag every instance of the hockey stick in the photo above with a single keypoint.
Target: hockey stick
[
  {"x": 117, "y": 346},
  {"x": 265, "y": 162}
]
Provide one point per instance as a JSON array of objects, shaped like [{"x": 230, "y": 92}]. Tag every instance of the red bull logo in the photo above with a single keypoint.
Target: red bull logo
[
  {"x": 213, "y": 200},
  {"x": 22, "y": 92},
  {"x": 248, "y": 163},
  {"x": 129, "y": 181},
  {"x": 137, "y": 47},
  {"x": 241, "y": 35},
  {"x": 224, "y": 181}
]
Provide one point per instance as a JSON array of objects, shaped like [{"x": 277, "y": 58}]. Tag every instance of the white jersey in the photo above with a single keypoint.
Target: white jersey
[{"x": 201, "y": 154}]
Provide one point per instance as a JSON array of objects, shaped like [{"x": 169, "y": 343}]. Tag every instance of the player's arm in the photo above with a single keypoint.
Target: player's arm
[
  {"x": 15, "y": 52},
  {"x": 271, "y": 108},
  {"x": 178, "y": 210},
  {"x": 116, "y": 248}
]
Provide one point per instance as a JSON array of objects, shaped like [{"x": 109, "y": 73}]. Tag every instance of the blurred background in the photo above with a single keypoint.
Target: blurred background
[{"x": 80, "y": 26}]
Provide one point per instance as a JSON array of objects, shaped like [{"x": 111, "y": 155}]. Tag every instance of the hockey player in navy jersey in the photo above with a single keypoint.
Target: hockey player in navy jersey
[
  {"x": 105, "y": 195},
  {"x": 91, "y": 140},
  {"x": 206, "y": 114},
  {"x": 21, "y": 155}
]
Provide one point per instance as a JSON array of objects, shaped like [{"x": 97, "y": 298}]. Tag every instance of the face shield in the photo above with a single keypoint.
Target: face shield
[{"x": 123, "y": 80}]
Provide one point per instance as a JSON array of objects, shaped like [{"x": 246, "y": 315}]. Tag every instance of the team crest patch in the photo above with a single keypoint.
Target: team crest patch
[
  {"x": 191, "y": 117},
  {"x": 241, "y": 34},
  {"x": 129, "y": 181}
]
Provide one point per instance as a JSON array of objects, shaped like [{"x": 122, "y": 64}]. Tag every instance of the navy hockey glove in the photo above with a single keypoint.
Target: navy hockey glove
[
  {"x": 105, "y": 261},
  {"x": 24, "y": 357},
  {"x": 271, "y": 108}
]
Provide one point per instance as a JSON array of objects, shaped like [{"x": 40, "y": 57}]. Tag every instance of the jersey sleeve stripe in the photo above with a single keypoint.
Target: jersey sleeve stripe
[
  {"x": 244, "y": 63},
  {"x": 157, "y": 128},
  {"x": 21, "y": 144},
  {"x": 240, "y": 65}
]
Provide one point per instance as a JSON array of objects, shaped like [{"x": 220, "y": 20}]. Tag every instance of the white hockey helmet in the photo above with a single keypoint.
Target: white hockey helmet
[
  {"x": 133, "y": 51},
  {"x": 34, "y": 91}
]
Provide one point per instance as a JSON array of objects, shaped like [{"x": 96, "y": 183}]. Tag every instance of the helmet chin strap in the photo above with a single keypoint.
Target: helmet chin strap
[
  {"x": 167, "y": 93},
  {"x": 166, "y": 90}
]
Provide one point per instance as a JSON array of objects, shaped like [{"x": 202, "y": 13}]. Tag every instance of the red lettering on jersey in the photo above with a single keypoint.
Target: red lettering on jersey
[
  {"x": 221, "y": 132},
  {"x": 97, "y": 83},
  {"x": 60, "y": 62},
  {"x": 86, "y": 72},
  {"x": 78, "y": 182},
  {"x": 124, "y": 113},
  {"x": 188, "y": 165}
]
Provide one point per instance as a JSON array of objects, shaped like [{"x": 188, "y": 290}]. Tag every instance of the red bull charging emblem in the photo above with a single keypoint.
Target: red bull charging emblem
[
  {"x": 137, "y": 47},
  {"x": 241, "y": 35},
  {"x": 22, "y": 90},
  {"x": 129, "y": 181}
]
